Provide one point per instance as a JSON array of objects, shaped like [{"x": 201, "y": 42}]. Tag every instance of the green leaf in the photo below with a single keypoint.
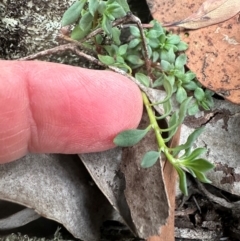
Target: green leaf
[
  {"x": 188, "y": 77},
  {"x": 73, "y": 13},
  {"x": 190, "y": 140},
  {"x": 143, "y": 79},
  {"x": 182, "y": 180},
  {"x": 173, "y": 39},
  {"x": 193, "y": 109},
  {"x": 201, "y": 176},
  {"x": 167, "y": 106},
  {"x": 116, "y": 10},
  {"x": 166, "y": 66},
  {"x": 107, "y": 25},
  {"x": 153, "y": 33},
  {"x": 177, "y": 121},
  {"x": 168, "y": 56},
  {"x": 181, "y": 60},
  {"x": 108, "y": 60},
  {"x": 130, "y": 137},
  {"x": 135, "y": 59},
  {"x": 190, "y": 85},
  {"x": 155, "y": 56},
  {"x": 195, "y": 153},
  {"x": 200, "y": 165},
  {"x": 159, "y": 81},
  {"x": 93, "y": 6},
  {"x": 154, "y": 43},
  {"x": 135, "y": 31},
  {"x": 124, "y": 5},
  {"x": 204, "y": 105},
  {"x": 182, "y": 46},
  {"x": 181, "y": 94},
  {"x": 102, "y": 7},
  {"x": 199, "y": 94},
  {"x": 78, "y": 33},
  {"x": 122, "y": 49},
  {"x": 134, "y": 43},
  {"x": 86, "y": 21},
  {"x": 99, "y": 38},
  {"x": 116, "y": 35},
  {"x": 150, "y": 158},
  {"x": 120, "y": 60}
]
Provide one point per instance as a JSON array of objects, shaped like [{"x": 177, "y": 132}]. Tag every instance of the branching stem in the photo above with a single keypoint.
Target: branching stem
[{"x": 161, "y": 144}]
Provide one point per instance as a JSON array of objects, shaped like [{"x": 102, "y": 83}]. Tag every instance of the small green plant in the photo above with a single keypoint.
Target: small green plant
[{"x": 153, "y": 58}]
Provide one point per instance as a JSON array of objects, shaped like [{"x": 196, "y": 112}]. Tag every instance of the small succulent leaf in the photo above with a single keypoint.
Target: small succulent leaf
[
  {"x": 193, "y": 109},
  {"x": 201, "y": 176},
  {"x": 86, "y": 21},
  {"x": 135, "y": 59},
  {"x": 158, "y": 82},
  {"x": 190, "y": 140},
  {"x": 143, "y": 79},
  {"x": 153, "y": 33},
  {"x": 168, "y": 56},
  {"x": 170, "y": 79},
  {"x": 73, "y": 13},
  {"x": 154, "y": 43},
  {"x": 167, "y": 106},
  {"x": 135, "y": 31},
  {"x": 204, "y": 104},
  {"x": 188, "y": 77},
  {"x": 120, "y": 59},
  {"x": 181, "y": 60},
  {"x": 130, "y": 137},
  {"x": 116, "y": 35},
  {"x": 123, "y": 4},
  {"x": 181, "y": 94},
  {"x": 166, "y": 66},
  {"x": 107, "y": 25},
  {"x": 108, "y": 60},
  {"x": 199, "y": 94},
  {"x": 182, "y": 46},
  {"x": 78, "y": 33},
  {"x": 162, "y": 39},
  {"x": 195, "y": 153},
  {"x": 122, "y": 49},
  {"x": 191, "y": 85},
  {"x": 173, "y": 39},
  {"x": 149, "y": 159},
  {"x": 102, "y": 7},
  {"x": 157, "y": 26},
  {"x": 182, "y": 180},
  {"x": 116, "y": 10},
  {"x": 183, "y": 110},
  {"x": 155, "y": 56},
  {"x": 93, "y": 6},
  {"x": 201, "y": 165},
  {"x": 134, "y": 43}
]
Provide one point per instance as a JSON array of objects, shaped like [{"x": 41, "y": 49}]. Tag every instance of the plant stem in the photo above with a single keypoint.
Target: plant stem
[{"x": 157, "y": 130}]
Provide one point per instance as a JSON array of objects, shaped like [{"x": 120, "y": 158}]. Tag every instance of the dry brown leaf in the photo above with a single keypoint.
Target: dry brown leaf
[
  {"x": 221, "y": 137},
  {"x": 213, "y": 53},
  {"x": 145, "y": 189},
  {"x": 57, "y": 187},
  {"x": 210, "y": 12},
  {"x": 104, "y": 167}
]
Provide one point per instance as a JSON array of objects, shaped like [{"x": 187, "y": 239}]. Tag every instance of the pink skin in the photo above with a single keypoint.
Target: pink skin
[{"x": 55, "y": 108}]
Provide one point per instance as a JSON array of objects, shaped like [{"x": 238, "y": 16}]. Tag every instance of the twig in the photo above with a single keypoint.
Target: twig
[
  {"x": 235, "y": 206},
  {"x": 53, "y": 50}
]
